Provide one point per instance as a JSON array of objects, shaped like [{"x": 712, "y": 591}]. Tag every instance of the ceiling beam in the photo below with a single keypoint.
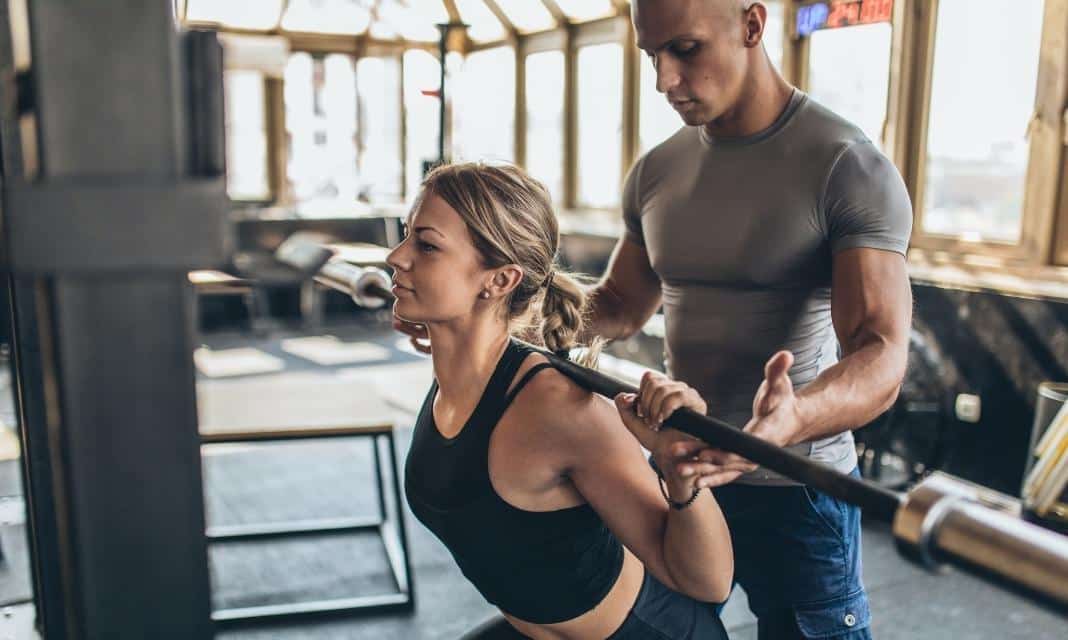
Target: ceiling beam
[{"x": 557, "y": 13}]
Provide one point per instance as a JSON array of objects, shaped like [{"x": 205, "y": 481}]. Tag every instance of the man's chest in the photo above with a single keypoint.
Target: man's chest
[{"x": 742, "y": 237}]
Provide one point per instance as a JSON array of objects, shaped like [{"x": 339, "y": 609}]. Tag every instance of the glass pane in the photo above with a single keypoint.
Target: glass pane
[
  {"x": 600, "y": 124},
  {"x": 773, "y": 31},
  {"x": 378, "y": 87},
  {"x": 17, "y": 566},
  {"x": 657, "y": 120},
  {"x": 849, "y": 73},
  {"x": 484, "y": 107},
  {"x": 239, "y": 14},
  {"x": 326, "y": 16},
  {"x": 246, "y": 136},
  {"x": 485, "y": 27},
  {"x": 527, "y": 15},
  {"x": 582, "y": 10},
  {"x": 320, "y": 98},
  {"x": 983, "y": 95},
  {"x": 545, "y": 120},
  {"x": 421, "y": 73},
  {"x": 413, "y": 21}
]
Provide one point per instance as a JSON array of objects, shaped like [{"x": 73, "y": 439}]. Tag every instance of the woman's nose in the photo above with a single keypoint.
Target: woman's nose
[{"x": 397, "y": 258}]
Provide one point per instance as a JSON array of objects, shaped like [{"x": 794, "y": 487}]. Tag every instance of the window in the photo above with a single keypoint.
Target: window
[
  {"x": 320, "y": 100},
  {"x": 982, "y": 97},
  {"x": 379, "y": 94},
  {"x": 773, "y": 32},
  {"x": 484, "y": 107},
  {"x": 246, "y": 136},
  {"x": 545, "y": 120},
  {"x": 600, "y": 125},
  {"x": 657, "y": 119},
  {"x": 421, "y": 73},
  {"x": 849, "y": 73}
]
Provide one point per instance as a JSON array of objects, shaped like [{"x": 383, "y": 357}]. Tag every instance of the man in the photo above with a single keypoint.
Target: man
[{"x": 768, "y": 227}]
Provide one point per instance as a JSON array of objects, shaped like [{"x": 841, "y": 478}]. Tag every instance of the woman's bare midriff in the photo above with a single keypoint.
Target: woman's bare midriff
[{"x": 600, "y": 621}]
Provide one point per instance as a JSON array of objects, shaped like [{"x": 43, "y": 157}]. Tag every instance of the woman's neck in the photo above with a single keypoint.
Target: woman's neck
[{"x": 465, "y": 357}]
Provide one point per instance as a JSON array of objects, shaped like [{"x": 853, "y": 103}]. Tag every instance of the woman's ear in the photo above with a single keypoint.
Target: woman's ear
[{"x": 505, "y": 280}]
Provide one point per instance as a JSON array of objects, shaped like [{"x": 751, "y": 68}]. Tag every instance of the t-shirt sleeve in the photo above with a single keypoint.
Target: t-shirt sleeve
[
  {"x": 866, "y": 203},
  {"x": 632, "y": 215}
]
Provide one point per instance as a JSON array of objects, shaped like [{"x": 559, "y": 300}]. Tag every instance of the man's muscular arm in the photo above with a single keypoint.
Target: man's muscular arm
[
  {"x": 628, "y": 295},
  {"x": 871, "y": 305}
]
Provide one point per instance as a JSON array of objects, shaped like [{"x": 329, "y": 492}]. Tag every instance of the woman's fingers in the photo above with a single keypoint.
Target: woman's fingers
[{"x": 626, "y": 405}]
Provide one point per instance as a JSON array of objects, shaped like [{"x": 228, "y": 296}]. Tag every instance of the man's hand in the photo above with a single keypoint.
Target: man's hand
[
  {"x": 417, "y": 334},
  {"x": 775, "y": 413}
]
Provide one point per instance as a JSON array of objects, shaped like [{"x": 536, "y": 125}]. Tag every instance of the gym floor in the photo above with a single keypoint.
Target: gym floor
[{"x": 246, "y": 483}]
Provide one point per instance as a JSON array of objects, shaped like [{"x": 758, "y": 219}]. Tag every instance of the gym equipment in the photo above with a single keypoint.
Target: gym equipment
[{"x": 941, "y": 520}]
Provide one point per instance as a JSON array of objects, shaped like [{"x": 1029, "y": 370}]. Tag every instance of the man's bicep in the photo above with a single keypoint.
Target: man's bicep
[
  {"x": 632, "y": 281},
  {"x": 870, "y": 296}
]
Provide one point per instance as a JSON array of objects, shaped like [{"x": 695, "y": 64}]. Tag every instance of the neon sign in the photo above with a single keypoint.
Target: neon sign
[{"x": 842, "y": 13}]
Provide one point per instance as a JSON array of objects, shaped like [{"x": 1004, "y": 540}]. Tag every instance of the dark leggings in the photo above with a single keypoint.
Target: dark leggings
[{"x": 658, "y": 614}]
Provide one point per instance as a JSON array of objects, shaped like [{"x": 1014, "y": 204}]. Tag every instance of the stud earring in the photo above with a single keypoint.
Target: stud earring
[{"x": 484, "y": 294}]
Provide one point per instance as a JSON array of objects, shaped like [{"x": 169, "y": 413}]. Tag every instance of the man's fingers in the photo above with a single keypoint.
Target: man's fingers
[
  {"x": 687, "y": 469},
  {"x": 420, "y": 346}
]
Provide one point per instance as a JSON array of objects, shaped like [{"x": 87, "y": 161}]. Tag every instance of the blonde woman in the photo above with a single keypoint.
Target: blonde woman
[{"x": 538, "y": 488}]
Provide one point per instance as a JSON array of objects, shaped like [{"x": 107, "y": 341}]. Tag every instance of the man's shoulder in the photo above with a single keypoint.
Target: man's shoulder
[{"x": 823, "y": 126}]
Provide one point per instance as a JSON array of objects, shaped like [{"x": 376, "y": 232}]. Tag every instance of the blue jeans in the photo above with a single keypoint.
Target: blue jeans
[{"x": 797, "y": 555}]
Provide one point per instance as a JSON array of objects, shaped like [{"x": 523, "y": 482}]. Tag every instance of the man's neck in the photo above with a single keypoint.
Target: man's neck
[{"x": 762, "y": 100}]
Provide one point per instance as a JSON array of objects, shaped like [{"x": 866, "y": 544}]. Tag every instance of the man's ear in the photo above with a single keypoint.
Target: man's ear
[{"x": 756, "y": 18}]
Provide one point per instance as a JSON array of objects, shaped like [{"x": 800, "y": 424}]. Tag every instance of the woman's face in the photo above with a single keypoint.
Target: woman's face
[{"x": 437, "y": 271}]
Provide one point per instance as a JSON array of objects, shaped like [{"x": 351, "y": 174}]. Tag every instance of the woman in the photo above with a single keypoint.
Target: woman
[{"x": 537, "y": 487}]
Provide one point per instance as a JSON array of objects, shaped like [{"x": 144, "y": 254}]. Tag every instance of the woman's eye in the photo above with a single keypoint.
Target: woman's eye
[{"x": 425, "y": 247}]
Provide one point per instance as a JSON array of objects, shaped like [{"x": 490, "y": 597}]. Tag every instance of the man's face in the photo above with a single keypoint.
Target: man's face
[{"x": 697, "y": 48}]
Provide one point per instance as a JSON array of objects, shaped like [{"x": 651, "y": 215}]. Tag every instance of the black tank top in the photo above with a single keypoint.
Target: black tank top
[{"x": 542, "y": 567}]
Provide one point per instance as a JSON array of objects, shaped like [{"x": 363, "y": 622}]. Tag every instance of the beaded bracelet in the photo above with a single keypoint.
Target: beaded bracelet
[{"x": 679, "y": 506}]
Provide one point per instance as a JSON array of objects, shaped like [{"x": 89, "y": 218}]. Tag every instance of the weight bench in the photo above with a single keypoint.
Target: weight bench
[{"x": 284, "y": 409}]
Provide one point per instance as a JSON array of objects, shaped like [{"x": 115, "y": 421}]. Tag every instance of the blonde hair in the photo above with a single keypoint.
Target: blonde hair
[{"x": 510, "y": 217}]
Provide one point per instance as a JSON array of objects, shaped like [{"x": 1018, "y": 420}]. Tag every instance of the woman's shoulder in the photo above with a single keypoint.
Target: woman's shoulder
[{"x": 557, "y": 402}]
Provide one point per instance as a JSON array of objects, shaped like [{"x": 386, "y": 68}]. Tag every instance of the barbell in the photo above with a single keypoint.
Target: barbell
[{"x": 941, "y": 520}]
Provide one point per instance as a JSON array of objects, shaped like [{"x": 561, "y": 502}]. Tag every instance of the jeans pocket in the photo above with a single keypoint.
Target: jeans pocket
[
  {"x": 826, "y": 509},
  {"x": 844, "y": 618}
]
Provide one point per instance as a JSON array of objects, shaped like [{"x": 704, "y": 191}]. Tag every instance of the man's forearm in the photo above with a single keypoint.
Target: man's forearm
[
  {"x": 606, "y": 317},
  {"x": 852, "y": 393}
]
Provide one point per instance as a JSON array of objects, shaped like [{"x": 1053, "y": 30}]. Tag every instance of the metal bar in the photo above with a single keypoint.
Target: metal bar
[
  {"x": 367, "y": 604},
  {"x": 877, "y": 502},
  {"x": 407, "y": 585},
  {"x": 380, "y": 485},
  {"x": 319, "y": 526}
]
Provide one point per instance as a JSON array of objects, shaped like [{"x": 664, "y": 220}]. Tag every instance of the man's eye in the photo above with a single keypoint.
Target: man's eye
[{"x": 684, "y": 50}]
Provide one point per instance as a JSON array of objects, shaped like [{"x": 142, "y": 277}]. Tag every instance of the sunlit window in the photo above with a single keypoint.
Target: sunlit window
[
  {"x": 983, "y": 94},
  {"x": 527, "y": 16},
  {"x": 246, "y": 136},
  {"x": 600, "y": 124},
  {"x": 379, "y": 91},
  {"x": 773, "y": 31},
  {"x": 545, "y": 119},
  {"x": 421, "y": 74},
  {"x": 583, "y": 10},
  {"x": 849, "y": 73},
  {"x": 408, "y": 20},
  {"x": 657, "y": 120},
  {"x": 259, "y": 15},
  {"x": 326, "y": 16},
  {"x": 484, "y": 107},
  {"x": 484, "y": 26},
  {"x": 320, "y": 97}
]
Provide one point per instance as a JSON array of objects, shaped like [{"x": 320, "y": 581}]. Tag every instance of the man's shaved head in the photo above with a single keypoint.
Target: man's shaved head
[{"x": 704, "y": 51}]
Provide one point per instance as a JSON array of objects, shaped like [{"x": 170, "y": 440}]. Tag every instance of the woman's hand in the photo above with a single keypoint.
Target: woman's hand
[
  {"x": 675, "y": 453},
  {"x": 417, "y": 334}
]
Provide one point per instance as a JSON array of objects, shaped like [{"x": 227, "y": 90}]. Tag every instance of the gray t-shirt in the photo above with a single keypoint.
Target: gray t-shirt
[{"x": 742, "y": 232}]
